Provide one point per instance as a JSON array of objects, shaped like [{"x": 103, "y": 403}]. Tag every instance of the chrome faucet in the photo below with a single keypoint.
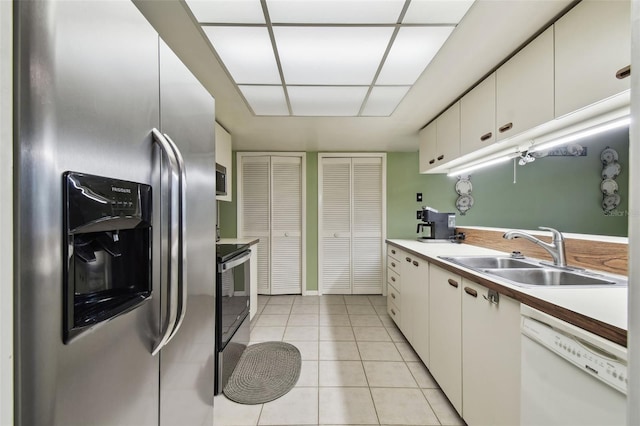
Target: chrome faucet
[{"x": 555, "y": 249}]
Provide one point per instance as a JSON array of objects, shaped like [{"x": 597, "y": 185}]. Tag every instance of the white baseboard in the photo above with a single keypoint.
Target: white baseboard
[
  {"x": 240, "y": 293},
  {"x": 311, "y": 293}
]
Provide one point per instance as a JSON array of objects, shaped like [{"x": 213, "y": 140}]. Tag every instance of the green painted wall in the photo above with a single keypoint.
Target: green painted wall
[{"x": 561, "y": 192}]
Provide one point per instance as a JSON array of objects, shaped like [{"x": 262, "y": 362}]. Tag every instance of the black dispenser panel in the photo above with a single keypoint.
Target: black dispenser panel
[{"x": 107, "y": 255}]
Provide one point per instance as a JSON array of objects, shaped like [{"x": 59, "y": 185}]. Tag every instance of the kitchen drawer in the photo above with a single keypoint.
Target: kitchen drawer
[
  {"x": 394, "y": 252},
  {"x": 393, "y": 265},
  {"x": 393, "y": 294},
  {"x": 393, "y": 311},
  {"x": 393, "y": 278}
]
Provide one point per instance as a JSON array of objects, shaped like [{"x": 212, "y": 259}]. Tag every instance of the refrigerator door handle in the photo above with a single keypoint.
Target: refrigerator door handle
[
  {"x": 182, "y": 244},
  {"x": 174, "y": 249}
]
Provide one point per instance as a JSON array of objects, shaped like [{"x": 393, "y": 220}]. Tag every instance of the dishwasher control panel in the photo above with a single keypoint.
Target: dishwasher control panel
[{"x": 596, "y": 361}]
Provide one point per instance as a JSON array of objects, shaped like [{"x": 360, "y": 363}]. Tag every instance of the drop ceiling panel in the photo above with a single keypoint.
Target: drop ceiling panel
[
  {"x": 326, "y": 101},
  {"x": 436, "y": 11},
  {"x": 227, "y": 11},
  {"x": 413, "y": 49},
  {"x": 266, "y": 100},
  {"x": 246, "y": 52},
  {"x": 335, "y": 12},
  {"x": 383, "y": 100},
  {"x": 331, "y": 55}
]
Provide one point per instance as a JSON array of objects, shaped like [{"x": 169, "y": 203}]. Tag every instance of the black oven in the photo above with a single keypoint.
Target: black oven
[
  {"x": 232, "y": 308},
  {"x": 221, "y": 179}
]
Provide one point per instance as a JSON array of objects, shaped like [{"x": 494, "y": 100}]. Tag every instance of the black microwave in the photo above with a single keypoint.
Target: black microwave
[{"x": 221, "y": 180}]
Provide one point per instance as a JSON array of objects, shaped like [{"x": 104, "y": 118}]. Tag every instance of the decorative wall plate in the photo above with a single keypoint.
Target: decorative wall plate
[
  {"x": 610, "y": 202},
  {"x": 463, "y": 186},
  {"x": 608, "y": 155},
  {"x": 464, "y": 203},
  {"x": 611, "y": 170},
  {"x": 609, "y": 186}
]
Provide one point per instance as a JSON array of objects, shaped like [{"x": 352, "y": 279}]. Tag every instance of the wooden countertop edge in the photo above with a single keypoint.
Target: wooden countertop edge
[{"x": 607, "y": 331}]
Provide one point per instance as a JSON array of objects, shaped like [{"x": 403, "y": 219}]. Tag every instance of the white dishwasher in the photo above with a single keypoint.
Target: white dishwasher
[{"x": 569, "y": 375}]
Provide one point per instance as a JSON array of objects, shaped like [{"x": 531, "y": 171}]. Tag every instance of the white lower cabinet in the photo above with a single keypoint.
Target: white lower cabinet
[
  {"x": 445, "y": 329},
  {"x": 490, "y": 357}
]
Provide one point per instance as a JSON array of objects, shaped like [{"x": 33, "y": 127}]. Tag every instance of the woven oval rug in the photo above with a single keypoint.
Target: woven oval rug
[{"x": 265, "y": 372}]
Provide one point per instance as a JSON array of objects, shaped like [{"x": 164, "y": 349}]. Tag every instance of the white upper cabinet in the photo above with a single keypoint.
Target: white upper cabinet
[
  {"x": 448, "y": 134},
  {"x": 223, "y": 157},
  {"x": 593, "y": 51},
  {"x": 478, "y": 116},
  {"x": 524, "y": 88},
  {"x": 428, "y": 149}
]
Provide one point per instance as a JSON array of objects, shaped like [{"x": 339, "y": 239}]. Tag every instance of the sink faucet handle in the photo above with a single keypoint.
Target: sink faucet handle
[{"x": 557, "y": 235}]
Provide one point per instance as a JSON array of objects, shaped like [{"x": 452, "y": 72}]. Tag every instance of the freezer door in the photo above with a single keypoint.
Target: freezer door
[
  {"x": 86, "y": 100},
  {"x": 187, "y": 115}
]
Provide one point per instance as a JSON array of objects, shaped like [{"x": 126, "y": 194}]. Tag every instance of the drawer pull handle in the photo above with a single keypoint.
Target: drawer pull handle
[
  {"x": 453, "y": 283},
  {"x": 415, "y": 263},
  {"x": 623, "y": 72},
  {"x": 486, "y": 136},
  {"x": 393, "y": 296},
  {"x": 432, "y": 161},
  {"x": 471, "y": 291},
  {"x": 440, "y": 157},
  {"x": 393, "y": 312},
  {"x": 393, "y": 251},
  {"x": 408, "y": 259},
  {"x": 393, "y": 279},
  {"x": 393, "y": 264},
  {"x": 506, "y": 127}
]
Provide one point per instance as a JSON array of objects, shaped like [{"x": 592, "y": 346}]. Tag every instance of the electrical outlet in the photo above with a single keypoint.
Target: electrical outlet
[
  {"x": 419, "y": 214},
  {"x": 419, "y": 196}
]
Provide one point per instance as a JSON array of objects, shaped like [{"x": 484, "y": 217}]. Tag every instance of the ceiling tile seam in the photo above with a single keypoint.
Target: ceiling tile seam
[
  {"x": 272, "y": 37},
  {"x": 324, "y": 25},
  {"x": 384, "y": 56}
]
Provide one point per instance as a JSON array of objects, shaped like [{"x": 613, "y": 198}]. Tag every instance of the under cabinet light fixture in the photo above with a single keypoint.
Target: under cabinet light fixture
[
  {"x": 600, "y": 128},
  {"x": 481, "y": 165}
]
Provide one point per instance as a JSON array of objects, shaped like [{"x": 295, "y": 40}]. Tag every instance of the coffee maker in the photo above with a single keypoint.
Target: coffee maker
[{"x": 436, "y": 226}]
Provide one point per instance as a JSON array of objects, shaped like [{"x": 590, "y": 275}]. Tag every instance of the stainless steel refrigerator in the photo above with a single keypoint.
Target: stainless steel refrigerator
[{"x": 92, "y": 81}]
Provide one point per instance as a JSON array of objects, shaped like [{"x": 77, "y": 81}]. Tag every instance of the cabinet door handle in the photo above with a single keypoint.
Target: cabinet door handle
[
  {"x": 506, "y": 127},
  {"x": 623, "y": 72},
  {"x": 393, "y": 264},
  {"x": 393, "y": 251},
  {"x": 393, "y": 312},
  {"x": 415, "y": 263},
  {"x": 453, "y": 283},
  {"x": 393, "y": 279},
  {"x": 432, "y": 161},
  {"x": 471, "y": 291},
  {"x": 408, "y": 259},
  {"x": 393, "y": 296},
  {"x": 440, "y": 157},
  {"x": 486, "y": 136}
]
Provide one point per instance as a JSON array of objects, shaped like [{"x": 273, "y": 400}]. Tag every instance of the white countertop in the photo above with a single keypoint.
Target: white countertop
[
  {"x": 608, "y": 305},
  {"x": 247, "y": 240}
]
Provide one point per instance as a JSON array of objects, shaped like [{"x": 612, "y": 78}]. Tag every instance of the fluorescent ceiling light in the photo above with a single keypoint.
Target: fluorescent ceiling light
[
  {"x": 481, "y": 165},
  {"x": 383, "y": 100},
  {"x": 412, "y": 50},
  {"x": 601, "y": 128},
  {"x": 326, "y": 101},
  {"x": 266, "y": 100},
  {"x": 227, "y": 11},
  {"x": 246, "y": 52},
  {"x": 331, "y": 55},
  {"x": 335, "y": 11},
  {"x": 436, "y": 11}
]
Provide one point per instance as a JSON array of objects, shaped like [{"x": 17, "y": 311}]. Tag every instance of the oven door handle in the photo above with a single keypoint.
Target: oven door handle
[
  {"x": 234, "y": 262},
  {"x": 182, "y": 242},
  {"x": 172, "y": 236}
]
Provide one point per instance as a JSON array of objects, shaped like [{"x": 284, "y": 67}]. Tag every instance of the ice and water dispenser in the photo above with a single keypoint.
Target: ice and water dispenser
[{"x": 107, "y": 271}]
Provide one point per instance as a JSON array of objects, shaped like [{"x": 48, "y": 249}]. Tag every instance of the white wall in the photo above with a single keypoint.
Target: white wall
[
  {"x": 6, "y": 214},
  {"x": 634, "y": 223}
]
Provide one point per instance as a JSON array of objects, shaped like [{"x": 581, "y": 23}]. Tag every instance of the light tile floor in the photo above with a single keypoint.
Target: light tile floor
[{"x": 357, "y": 367}]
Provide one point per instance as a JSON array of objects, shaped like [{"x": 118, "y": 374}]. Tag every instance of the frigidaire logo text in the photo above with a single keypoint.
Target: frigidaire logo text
[{"x": 124, "y": 190}]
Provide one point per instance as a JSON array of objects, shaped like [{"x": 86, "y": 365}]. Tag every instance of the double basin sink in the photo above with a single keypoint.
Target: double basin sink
[{"x": 527, "y": 272}]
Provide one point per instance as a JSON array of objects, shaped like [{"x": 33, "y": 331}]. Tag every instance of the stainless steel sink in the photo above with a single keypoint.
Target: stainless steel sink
[
  {"x": 491, "y": 262},
  {"x": 548, "y": 277}
]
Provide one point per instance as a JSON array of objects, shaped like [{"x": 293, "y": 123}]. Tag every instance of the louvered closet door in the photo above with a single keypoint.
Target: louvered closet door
[
  {"x": 286, "y": 225},
  {"x": 256, "y": 186},
  {"x": 366, "y": 237},
  {"x": 335, "y": 271}
]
